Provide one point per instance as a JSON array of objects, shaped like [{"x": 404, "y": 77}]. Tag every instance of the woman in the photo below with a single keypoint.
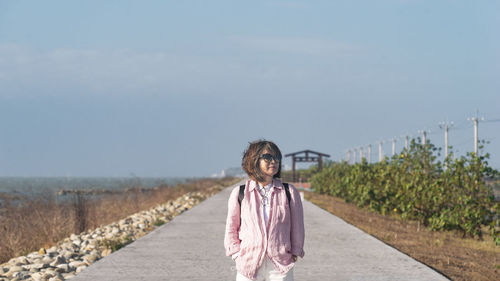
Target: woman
[{"x": 265, "y": 234}]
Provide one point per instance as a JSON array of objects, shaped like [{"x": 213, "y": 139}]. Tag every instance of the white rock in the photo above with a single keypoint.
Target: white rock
[
  {"x": 37, "y": 266},
  {"x": 19, "y": 261},
  {"x": 58, "y": 260},
  {"x": 67, "y": 246},
  {"x": 50, "y": 270},
  {"x": 89, "y": 248},
  {"x": 48, "y": 275},
  {"x": 34, "y": 255},
  {"x": 47, "y": 259},
  {"x": 23, "y": 275},
  {"x": 57, "y": 277},
  {"x": 13, "y": 270},
  {"x": 63, "y": 268},
  {"x": 37, "y": 276},
  {"x": 80, "y": 268},
  {"x": 106, "y": 252},
  {"x": 90, "y": 259},
  {"x": 67, "y": 254},
  {"x": 115, "y": 230},
  {"x": 77, "y": 264},
  {"x": 68, "y": 275},
  {"x": 52, "y": 250},
  {"x": 85, "y": 243}
]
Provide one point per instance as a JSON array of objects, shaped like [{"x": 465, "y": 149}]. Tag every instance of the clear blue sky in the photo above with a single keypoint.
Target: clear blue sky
[{"x": 178, "y": 88}]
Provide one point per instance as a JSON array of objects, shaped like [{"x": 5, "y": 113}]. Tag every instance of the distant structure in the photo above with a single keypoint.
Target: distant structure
[
  {"x": 306, "y": 156},
  {"x": 230, "y": 172}
]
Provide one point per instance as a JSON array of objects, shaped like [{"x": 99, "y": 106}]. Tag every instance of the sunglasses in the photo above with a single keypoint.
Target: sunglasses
[{"x": 269, "y": 157}]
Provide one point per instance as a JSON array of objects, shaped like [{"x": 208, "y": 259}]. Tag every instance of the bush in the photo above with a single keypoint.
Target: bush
[
  {"x": 158, "y": 222},
  {"x": 443, "y": 196},
  {"x": 115, "y": 244}
]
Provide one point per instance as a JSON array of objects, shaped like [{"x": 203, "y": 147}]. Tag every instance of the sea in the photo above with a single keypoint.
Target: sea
[{"x": 35, "y": 186}]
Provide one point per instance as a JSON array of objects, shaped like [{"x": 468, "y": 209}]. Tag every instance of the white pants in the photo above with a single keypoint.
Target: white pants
[{"x": 267, "y": 272}]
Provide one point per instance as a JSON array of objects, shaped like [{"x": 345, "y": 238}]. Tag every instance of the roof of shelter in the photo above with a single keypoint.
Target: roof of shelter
[{"x": 307, "y": 151}]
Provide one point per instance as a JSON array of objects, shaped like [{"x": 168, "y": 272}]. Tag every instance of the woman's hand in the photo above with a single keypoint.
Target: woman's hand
[{"x": 294, "y": 257}]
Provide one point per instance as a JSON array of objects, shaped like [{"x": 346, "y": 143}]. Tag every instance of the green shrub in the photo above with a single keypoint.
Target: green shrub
[
  {"x": 443, "y": 196},
  {"x": 158, "y": 222},
  {"x": 115, "y": 244}
]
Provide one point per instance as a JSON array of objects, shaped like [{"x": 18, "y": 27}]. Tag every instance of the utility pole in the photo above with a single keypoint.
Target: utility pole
[
  {"x": 446, "y": 141},
  {"x": 424, "y": 137},
  {"x": 406, "y": 140},
  {"x": 445, "y": 126},
  {"x": 476, "y": 125},
  {"x": 369, "y": 153},
  {"x": 380, "y": 153},
  {"x": 393, "y": 146}
]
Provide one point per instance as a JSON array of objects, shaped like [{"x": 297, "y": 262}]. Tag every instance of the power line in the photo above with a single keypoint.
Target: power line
[
  {"x": 467, "y": 141},
  {"x": 491, "y": 120},
  {"x": 463, "y": 125},
  {"x": 468, "y": 126},
  {"x": 424, "y": 134}
]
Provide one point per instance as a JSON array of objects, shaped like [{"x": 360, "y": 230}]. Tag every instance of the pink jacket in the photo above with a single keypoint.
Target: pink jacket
[{"x": 279, "y": 240}]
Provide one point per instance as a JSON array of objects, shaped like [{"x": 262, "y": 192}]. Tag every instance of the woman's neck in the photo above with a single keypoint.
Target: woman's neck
[{"x": 266, "y": 182}]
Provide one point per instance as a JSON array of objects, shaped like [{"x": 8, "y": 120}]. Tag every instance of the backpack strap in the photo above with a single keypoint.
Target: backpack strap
[
  {"x": 287, "y": 190},
  {"x": 241, "y": 194}
]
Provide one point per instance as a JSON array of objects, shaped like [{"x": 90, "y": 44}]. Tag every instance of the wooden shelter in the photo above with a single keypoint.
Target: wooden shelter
[{"x": 306, "y": 156}]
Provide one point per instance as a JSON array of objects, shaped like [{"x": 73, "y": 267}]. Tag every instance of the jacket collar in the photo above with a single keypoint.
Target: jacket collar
[{"x": 253, "y": 184}]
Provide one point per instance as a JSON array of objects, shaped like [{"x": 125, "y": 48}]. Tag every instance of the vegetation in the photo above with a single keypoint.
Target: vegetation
[
  {"x": 40, "y": 220},
  {"x": 115, "y": 244},
  {"x": 158, "y": 222},
  {"x": 452, "y": 195},
  {"x": 446, "y": 251}
]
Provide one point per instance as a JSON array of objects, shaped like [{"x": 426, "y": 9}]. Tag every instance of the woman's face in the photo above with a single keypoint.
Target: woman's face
[{"x": 269, "y": 167}]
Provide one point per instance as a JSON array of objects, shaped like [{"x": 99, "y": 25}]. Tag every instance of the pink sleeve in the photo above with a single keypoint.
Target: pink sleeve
[
  {"x": 297, "y": 234},
  {"x": 231, "y": 237}
]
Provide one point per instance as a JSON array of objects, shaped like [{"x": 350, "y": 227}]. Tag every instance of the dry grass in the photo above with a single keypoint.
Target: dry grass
[
  {"x": 29, "y": 224},
  {"x": 447, "y": 252}
]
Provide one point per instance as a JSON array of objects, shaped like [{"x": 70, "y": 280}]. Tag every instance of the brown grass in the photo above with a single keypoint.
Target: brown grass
[
  {"x": 29, "y": 224},
  {"x": 456, "y": 257}
]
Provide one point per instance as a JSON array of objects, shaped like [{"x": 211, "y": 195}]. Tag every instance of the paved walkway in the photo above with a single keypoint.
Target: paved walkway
[{"x": 190, "y": 247}]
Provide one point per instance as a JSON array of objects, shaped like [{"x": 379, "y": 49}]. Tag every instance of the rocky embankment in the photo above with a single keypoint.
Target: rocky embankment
[{"x": 72, "y": 255}]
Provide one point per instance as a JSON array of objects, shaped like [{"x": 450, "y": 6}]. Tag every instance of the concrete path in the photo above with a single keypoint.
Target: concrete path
[{"x": 190, "y": 247}]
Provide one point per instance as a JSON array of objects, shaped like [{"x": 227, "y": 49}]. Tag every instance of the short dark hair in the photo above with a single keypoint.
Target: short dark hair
[{"x": 251, "y": 156}]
